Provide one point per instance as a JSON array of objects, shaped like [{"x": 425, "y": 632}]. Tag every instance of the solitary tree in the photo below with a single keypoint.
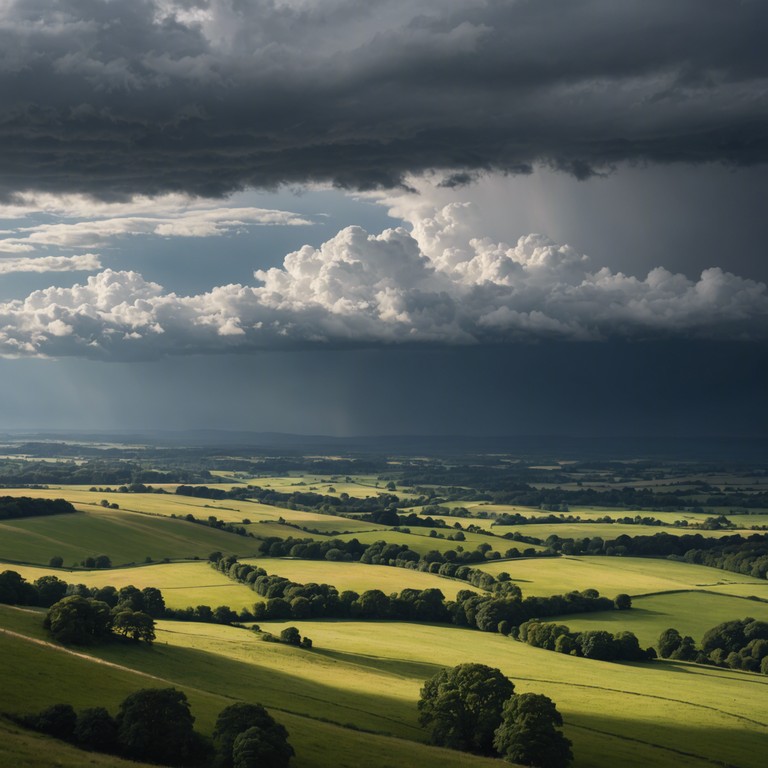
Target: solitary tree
[
  {"x": 529, "y": 733},
  {"x": 463, "y": 706}
]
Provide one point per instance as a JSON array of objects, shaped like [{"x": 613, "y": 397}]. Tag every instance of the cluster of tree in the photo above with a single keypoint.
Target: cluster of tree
[
  {"x": 131, "y": 488},
  {"x": 382, "y": 553},
  {"x": 437, "y": 509},
  {"x": 516, "y": 518},
  {"x": 79, "y": 620},
  {"x": 289, "y": 636},
  {"x": 592, "y": 644},
  {"x": 731, "y": 553},
  {"x": 499, "y": 608},
  {"x": 213, "y": 522},
  {"x": 92, "y": 473},
  {"x": 99, "y": 561},
  {"x": 156, "y": 725},
  {"x": 23, "y": 506},
  {"x": 737, "y": 644},
  {"x": 47, "y": 590},
  {"x": 389, "y": 516},
  {"x": 474, "y": 708},
  {"x": 306, "y": 500}
]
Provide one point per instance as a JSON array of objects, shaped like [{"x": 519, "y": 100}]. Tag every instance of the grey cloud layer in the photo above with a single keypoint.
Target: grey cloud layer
[
  {"x": 439, "y": 284},
  {"x": 205, "y": 96}
]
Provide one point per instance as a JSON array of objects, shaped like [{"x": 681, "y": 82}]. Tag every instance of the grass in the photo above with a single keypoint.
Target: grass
[
  {"x": 612, "y": 575},
  {"x": 182, "y": 584},
  {"x": 368, "y": 674},
  {"x": 420, "y": 541},
  {"x": 604, "y": 530},
  {"x": 124, "y": 536},
  {"x": 43, "y": 675},
  {"x": 691, "y": 613},
  {"x": 359, "y": 576}
]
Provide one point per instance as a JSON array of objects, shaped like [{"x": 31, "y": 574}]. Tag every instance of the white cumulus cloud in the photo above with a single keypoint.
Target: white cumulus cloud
[{"x": 439, "y": 283}]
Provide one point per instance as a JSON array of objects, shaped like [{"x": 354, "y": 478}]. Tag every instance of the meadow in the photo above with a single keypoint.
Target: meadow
[
  {"x": 690, "y": 612},
  {"x": 612, "y": 575},
  {"x": 126, "y": 537},
  {"x": 351, "y": 699}
]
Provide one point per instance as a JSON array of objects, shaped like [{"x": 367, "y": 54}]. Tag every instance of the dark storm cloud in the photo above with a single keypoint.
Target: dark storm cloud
[{"x": 115, "y": 98}]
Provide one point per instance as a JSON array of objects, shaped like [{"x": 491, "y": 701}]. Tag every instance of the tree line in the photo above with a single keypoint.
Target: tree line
[
  {"x": 731, "y": 553},
  {"x": 12, "y": 507},
  {"x": 156, "y": 725},
  {"x": 48, "y": 590},
  {"x": 737, "y": 644},
  {"x": 499, "y": 608},
  {"x": 591, "y": 644}
]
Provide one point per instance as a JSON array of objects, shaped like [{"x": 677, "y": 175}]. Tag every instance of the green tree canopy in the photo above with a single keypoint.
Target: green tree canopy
[
  {"x": 463, "y": 706},
  {"x": 155, "y": 724},
  {"x": 78, "y": 620},
  {"x": 260, "y": 748},
  {"x": 237, "y": 719},
  {"x": 529, "y": 733}
]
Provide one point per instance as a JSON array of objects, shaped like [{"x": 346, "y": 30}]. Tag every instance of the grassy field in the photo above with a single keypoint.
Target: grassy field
[
  {"x": 612, "y": 575},
  {"x": 629, "y": 715},
  {"x": 43, "y": 675},
  {"x": 420, "y": 541},
  {"x": 182, "y": 584},
  {"x": 124, "y": 536},
  {"x": 691, "y": 613},
  {"x": 359, "y": 576},
  {"x": 604, "y": 530}
]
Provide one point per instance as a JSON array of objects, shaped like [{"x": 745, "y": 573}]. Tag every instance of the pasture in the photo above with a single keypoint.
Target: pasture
[
  {"x": 182, "y": 584},
  {"x": 212, "y": 679},
  {"x": 691, "y": 613},
  {"x": 358, "y": 577},
  {"x": 125, "y": 537},
  {"x": 612, "y": 575}
]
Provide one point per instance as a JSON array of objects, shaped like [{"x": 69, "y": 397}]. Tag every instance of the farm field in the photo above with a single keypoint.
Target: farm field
[
  {"x": 420, "y": 541},
  {"x": 351, "y": 699},
  {"x": 182, "y": 584},
  {"x": 691, "y": 613},
  {"x": 358, "y": 576},
  {"x": 124, "y": 536},
  {"x": 612, "y": 575},
  {"x": 211, "y": 680},
  {"x": 645, "y": 715},
  {"x": 368, "y": 675},
  {"x": 604, "y": 530}
]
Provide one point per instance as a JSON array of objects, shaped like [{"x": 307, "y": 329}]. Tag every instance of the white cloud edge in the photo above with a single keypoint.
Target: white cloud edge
[{"x": 440, "y": 283}]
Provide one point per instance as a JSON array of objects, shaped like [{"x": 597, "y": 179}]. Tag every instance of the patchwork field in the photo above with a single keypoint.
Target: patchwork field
[
  {"x": 691, "y": 613},
  {"x": 612, "y": 575},
  {"x": 359, "y": 576},
  {"x": 124, "y": 536},
  {"x": 351, "y": 699},
  {"x": 182, "y": 584}
]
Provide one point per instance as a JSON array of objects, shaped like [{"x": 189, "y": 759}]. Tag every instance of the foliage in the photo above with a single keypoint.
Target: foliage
[
  {"x": 96, "y": 730},
  {"x": 462, "y": 706},
  {"x": 155, "y": 724},
  {"x": 529, "y": 735},
  {"x": 267, "y": 739},
  {"x": 78, "y": 620},
  {"x": 135, "y": 625},
  {"x": 58, "y": 721}
]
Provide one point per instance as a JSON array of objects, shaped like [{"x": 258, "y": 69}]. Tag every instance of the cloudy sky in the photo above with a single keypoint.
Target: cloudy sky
[{"x": 343, "y": 217}]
